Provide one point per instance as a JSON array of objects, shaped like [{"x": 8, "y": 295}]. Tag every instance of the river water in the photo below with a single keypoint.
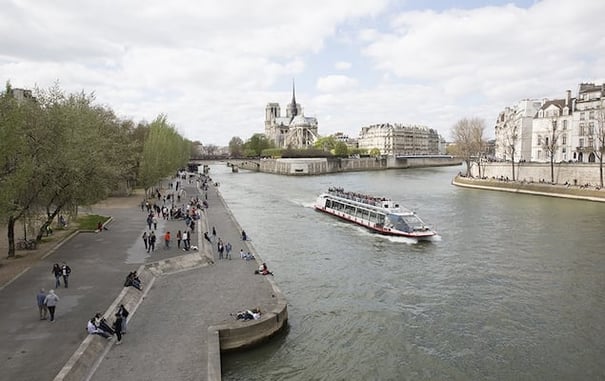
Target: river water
[{"x": 512, "y": 289}]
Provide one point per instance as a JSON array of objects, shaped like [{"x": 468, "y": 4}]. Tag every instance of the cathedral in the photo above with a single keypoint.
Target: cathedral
[{"x": 293, "y": 130}]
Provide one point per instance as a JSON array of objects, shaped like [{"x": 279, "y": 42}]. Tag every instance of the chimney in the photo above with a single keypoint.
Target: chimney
[{"x": 568, "y": 98}]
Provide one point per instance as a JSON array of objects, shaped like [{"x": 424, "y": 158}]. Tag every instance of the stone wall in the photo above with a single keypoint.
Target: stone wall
[
  {"x": 319, "y": 166},
  {"x": 573, "y": 173}
]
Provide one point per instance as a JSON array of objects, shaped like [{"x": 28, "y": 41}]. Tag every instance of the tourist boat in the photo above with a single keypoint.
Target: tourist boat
[{"x": 379, "y": 214}]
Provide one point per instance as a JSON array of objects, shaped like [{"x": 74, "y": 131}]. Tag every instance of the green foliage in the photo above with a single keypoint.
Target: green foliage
[
  {"x": 164, "y": 151},
  {"x": 326, "y": 143},
  {"x": 256, "y": 144},
  {"x": 236, "y": 146},
  {"x": 341, "y": 150},
  {"x": 59, "y": 151},
  {"x": 90, "y": 221},
  {"x": 374, "y": 152},
  {"x": 309, "y": 152},
  {"x": 272, "y": 152}
]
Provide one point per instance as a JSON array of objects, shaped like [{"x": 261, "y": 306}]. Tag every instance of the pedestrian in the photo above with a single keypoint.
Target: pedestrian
[
  {"x": 41, "y": 306},
  {"x": 167, "y": 240},
  {"x": 179, "y": 236},
  {"x": 124, "y": 313},
  {"x": 57, "y": 273},
  {"x": 228, "y": 250},
  {"x": 220, "y": 248},
  {"x": 189, "y": 234},
  {"x": 244, "y": 236},
  {"x": 149, "y": 220},
  {"x": 145, "y": 240},
  {"x": 155, "y": 222},
  {"x": 151, "y": 242},
  {"x": 185, "y": 237},
  {"x": 65, "y": 271},
  {"x": 213, "y": 233},
  {"x": 241, "y": 253},
  {"x": 51, "y": 300},
  {"x": 117, "y": 327}
]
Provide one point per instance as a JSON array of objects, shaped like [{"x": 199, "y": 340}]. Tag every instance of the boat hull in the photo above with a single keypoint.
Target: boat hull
[{"x": 374, "y": 227}]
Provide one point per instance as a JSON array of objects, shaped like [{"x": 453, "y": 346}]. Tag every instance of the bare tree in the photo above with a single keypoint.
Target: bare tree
[
  {"x": 598, "y": 137},
  {"x": 551, "y": 145},
  {"x": 469, "y": 143},
  {"x": 511, "y": 137}
]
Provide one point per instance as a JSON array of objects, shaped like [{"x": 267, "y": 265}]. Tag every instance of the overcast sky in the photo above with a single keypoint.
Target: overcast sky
[{"x": 212, "y": 66}]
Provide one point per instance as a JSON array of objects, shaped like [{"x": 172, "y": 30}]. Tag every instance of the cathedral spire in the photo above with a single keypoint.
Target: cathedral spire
[{"x": 292, "y": 109}]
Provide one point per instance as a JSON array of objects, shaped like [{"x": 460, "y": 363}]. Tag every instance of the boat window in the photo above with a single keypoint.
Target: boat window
[
  {"x": 373, "y": 217},
  {"x": 328, "y": 204}
]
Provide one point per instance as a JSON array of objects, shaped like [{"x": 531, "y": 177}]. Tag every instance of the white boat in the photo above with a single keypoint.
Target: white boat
[{"x": 379, "y": 214}]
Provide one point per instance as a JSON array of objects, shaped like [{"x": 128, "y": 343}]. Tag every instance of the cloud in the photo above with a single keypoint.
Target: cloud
[
  {"x": 335, "y": 83},
  {"x": 342, "y": 65},
  {"x": 213, "y": 66}
]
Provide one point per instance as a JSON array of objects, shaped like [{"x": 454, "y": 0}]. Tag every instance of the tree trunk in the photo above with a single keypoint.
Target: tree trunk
[
  {"x": 552, "y": 168},
  {"x": 512, "y": 156},
  {"x": 11, "y": 236},
  {"x": 468, "y": 168},
  {"x": 601, "y": 168}
]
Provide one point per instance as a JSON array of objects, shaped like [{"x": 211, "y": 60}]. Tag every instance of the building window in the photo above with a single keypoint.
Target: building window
[
  {"x": 591, "y": 115},
  {"x": 581, "y": 142},
  {"x": 564, "y": 139},
  {"x": 581, "y": 129},
  {"x": 582, "y": 116},
  {"x": 591, "y": 128},
  {"x": 565, "y": 124}
]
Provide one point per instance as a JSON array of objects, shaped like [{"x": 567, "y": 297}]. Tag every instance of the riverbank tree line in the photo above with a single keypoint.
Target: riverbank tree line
[
  {"x": 258, "y": 145},
  {"x": 61, "y": 151}
]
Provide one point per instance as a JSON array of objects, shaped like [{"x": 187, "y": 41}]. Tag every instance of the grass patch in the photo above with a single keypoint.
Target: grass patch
[{"x": 90, "y": 221}]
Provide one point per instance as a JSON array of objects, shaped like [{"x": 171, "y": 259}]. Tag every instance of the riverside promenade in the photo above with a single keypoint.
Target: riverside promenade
[{"x": 178, "y": 324}]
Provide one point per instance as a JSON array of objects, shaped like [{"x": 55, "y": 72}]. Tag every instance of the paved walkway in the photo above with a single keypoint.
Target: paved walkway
[{"x": 166, "y": 336}]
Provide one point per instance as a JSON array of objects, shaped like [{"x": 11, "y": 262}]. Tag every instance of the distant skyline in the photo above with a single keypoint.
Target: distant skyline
[{"x": 212, "y": 67}]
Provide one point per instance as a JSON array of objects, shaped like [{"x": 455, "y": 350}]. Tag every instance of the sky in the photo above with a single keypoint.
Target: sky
[{"x": 212, "y": 66}]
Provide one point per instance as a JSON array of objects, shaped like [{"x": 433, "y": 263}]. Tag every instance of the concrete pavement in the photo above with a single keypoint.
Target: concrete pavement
[{"x": 167, "y": 334}]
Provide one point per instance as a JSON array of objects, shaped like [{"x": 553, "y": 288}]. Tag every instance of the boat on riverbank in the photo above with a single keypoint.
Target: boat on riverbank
[{"x": 379, "y": 214}]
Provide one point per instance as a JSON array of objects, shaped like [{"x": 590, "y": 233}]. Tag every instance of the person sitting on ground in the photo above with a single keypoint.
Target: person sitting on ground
[
  {"x": 253, "y": 314},
  {"x": 133, "y": 280},
  {"x": 93, "y": 329},
  {"x": 262, "y": 269},
  {"x": 101, "y": 227},
  {"x": 248, "y": 256}
]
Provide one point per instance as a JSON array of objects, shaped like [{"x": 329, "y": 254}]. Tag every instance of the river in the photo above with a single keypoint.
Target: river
[{"x": 513, "y": 288}]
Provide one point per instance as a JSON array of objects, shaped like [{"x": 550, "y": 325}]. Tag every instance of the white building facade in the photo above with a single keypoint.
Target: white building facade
[
  {"x": 401, "y": 140},
  {"x": 568, "y": 129}
]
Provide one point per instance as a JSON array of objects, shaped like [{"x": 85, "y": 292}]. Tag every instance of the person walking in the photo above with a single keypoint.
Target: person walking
[
  {"x": 213, "y": 233},
  {"x": 167, "y": 240},
  {"x": 124, "y": 313},
  {"x": 146, "y": 240},
  {"x": 40, "y": 297},
  {"x": 155, "y": 222},
  {"x": 57, "y": 273},
  {"x": 151, "y": 242},
  {"x": 117, "y": 327},
  {"x": 65, "y": 271},
  {"x": 228, "y": 250},
  {"x": 149, "y": 220},
  {"x": 220, "y": 248},
  {"x": 51, "y": 301},
  {"x": 179, "y": 236},
  {"x": 185, "y": 237}
]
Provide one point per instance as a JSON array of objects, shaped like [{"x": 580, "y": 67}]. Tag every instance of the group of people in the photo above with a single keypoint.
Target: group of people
[
  {"x": 47, "y": 301},
  {"x": 98, "y": 325}
]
